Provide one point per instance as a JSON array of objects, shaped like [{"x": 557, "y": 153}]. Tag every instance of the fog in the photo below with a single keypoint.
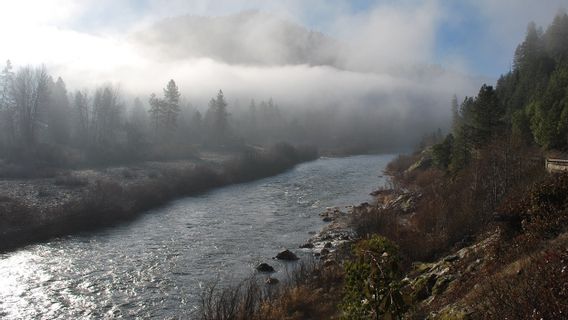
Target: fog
[{"x": 381, "y": 62}]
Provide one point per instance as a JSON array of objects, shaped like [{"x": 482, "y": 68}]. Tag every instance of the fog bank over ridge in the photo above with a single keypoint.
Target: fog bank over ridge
[{"x": 259, "y": 55}]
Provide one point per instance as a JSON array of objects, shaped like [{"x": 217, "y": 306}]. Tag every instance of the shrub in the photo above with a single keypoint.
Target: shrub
[
  {"x": 309, "y": 291},
  {"x": 372, "y": 282},
  {"x": 539, "y": 290}
]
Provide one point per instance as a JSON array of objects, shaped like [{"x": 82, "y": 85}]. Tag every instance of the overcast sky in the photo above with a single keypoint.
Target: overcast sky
[
  {"x": 478, "y": 35},
  {"x": 88, "y": 42}
]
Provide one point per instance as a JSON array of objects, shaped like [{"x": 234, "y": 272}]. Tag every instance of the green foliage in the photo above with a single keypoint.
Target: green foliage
[
  {"x": 530, "y": 103},
  {"x": 485, "y": 115},
  {"x": 372, "y": 282},
  {"x": 442, "y": 152},
  {"x": 546, "y": 113}
]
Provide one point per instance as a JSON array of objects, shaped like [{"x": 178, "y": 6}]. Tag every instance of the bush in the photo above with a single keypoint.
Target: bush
[
  {"x": 372, "y": 282},
  {"x": 537, "y": 291}
]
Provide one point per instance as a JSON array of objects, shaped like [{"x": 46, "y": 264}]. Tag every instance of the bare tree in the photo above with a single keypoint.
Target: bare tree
[
  {"x": 107, "y": 112},
  {"x": 7, "y": 106},
  {"x": 82, "y": 117},
  {"x": 30, "y": 93}
]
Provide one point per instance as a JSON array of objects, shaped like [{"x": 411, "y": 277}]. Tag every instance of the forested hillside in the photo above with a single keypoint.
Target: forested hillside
[{"x": 529, "y": 103}]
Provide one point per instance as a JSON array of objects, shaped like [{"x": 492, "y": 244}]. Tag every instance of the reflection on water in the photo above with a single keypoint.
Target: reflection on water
[{"x": 155, "y": 266}]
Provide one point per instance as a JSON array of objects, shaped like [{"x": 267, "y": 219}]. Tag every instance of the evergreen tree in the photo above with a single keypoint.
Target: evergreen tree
[
  {"x": 171, "y": 105},
  {"x": 487, "y": 115},
  {"x": 555, "y": 38},
  {"x": 165, "y": 111},
  {"x": 221, "y": 115},
  {"x": 456, "y": 119}
]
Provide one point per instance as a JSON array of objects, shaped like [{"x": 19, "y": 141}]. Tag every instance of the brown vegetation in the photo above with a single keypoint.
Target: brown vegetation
[
  {"x": 105, "y": 201},
  {"x": 310, "y": 291}
]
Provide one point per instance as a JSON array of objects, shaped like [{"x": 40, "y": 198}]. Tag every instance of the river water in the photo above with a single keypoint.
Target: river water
[{"x": 156, "y": 266}]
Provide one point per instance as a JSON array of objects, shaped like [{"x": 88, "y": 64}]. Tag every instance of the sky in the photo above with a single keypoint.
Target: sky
[
  {"x": 479, "y": 35},
  {"x": 462, "y": 42}
]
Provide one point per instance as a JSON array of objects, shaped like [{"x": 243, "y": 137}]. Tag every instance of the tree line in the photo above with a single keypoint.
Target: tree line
[
  {"x": 41, "y": 122},
  {"x": 528, "y": 106}
]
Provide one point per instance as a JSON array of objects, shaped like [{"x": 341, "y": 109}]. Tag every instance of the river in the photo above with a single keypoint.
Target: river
[{"x": 155, "y": 266}]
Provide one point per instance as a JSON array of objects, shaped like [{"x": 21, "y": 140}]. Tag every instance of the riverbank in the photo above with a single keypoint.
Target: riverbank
[
  {"x": 34, "y": 210},
  {"x": 435, "y": 254}
]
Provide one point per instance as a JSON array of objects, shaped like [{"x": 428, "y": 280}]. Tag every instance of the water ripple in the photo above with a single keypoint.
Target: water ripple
[{"x": 155, "y": 267}]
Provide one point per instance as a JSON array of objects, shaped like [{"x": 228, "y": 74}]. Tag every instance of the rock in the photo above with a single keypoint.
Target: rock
[
  {"x": 287, "y": 255},
  {"x": 265, "y": 267},
  {"x": 452, "y": 258},
  {"x": 327, "y": 219},
  {"x": 328, "y": 245},
  {"x": 422, "y": 287},
  {"x": 308, "y": 245},
  {"x": 324, "y": 252},
  {"x": 442, "y": 284},
  {"x": 272, "y": 281}
]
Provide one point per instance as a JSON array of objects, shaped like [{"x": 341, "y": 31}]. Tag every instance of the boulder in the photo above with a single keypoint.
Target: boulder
[
  {"x": 265, "y": 267},
  {"x": 287, "y": 255},
  {"x": 308, "y": 245},
  {"x": 272, "y": 281}
]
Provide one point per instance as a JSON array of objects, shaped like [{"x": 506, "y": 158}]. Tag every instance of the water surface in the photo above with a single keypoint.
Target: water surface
[{"x": 155, "y": 266}]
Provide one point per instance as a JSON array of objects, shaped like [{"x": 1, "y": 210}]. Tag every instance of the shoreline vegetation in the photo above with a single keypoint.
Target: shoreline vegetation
[{"x": 90, "y": 199}]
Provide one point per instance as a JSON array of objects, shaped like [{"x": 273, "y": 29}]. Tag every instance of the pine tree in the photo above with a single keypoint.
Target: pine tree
[
  {"x": 456, "y": 119},
  {"x": 164, "y": 111},
  {"x": 487, "y": 115},
  {"x": 555, "y": 38},
  {"x": 221, "y": 115},
  {"x": 171, "y": 105}
]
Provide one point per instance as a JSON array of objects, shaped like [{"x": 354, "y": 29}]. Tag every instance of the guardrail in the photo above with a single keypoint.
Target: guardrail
[{"x": 556, "y": 165}]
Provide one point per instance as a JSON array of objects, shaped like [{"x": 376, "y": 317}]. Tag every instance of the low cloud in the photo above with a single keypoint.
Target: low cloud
[{"x": 381, "y": 57}]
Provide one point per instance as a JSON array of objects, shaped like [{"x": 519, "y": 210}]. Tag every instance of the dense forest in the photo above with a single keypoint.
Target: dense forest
[{"x": 529, "y": 104}]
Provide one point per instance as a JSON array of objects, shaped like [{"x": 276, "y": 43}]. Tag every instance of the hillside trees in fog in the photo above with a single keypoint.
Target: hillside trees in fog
[{"x": 529, "y": 105}]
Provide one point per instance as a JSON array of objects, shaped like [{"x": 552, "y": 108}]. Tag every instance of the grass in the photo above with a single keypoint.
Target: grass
[{"x": 309, "y": 291}]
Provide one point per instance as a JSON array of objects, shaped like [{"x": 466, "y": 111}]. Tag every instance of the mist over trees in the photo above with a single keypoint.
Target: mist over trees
[{"x": 44, "y": 124}]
